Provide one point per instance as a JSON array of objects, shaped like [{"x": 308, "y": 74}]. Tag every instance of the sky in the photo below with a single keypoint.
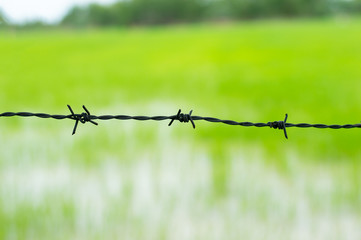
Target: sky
[{"x": 51, "y": 11}]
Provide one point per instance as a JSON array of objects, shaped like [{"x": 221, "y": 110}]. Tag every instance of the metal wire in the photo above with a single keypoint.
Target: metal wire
[{"x": 181, "y": 117}]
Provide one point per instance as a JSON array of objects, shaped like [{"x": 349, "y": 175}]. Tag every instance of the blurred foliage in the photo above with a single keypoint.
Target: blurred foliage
[
  {"x": 136, "y": 12},
  {"x": 254, "y": 72},
  {"x": 153, "y": 179},
  {"x": 3, "y": 21}
]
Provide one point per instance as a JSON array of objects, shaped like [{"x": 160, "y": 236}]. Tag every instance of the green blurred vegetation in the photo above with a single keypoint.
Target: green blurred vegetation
[
  {"x": 148, "y": 12},
  {"x": 158, "y": 12},
  {"x": 247, "y": 71},
  {"x": 3, "y": 20}
]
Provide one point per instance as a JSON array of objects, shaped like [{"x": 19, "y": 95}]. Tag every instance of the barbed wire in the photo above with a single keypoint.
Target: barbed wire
[{"x": 181, "y": 117}]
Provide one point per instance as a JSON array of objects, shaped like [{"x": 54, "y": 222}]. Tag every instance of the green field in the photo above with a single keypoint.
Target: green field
[{"x": 145, "y": 180}]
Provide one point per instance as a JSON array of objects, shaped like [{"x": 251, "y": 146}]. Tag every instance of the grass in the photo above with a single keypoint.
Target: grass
[{"x": 136, "y": 180}]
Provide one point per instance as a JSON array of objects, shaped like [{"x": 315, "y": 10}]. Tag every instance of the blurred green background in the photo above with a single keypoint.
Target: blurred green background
[{"x": 145, "y": 180}]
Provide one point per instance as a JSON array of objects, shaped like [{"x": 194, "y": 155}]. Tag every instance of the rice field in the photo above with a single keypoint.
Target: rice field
[{"x": 145, "y": 180}]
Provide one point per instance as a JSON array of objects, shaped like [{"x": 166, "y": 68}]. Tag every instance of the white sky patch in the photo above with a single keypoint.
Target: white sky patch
[{"x": 19, "y": 11}]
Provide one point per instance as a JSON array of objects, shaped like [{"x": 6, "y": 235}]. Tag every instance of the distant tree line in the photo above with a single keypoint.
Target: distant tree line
[
  {"x": 149, "y": 12},
  {"x": 35, "y": 24},
  {"x": 3, "y": 21},
  {"x": 153, "y": 12}
]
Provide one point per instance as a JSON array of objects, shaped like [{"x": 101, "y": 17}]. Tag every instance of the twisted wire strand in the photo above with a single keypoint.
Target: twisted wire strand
[{"x": 181, "y": 117}]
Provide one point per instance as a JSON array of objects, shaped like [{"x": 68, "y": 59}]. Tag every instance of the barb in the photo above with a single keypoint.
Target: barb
[
  {"x": 83, "y": 118},
  {"x": 280, "y": 125},
  {"x": 181, "y": 117}
]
